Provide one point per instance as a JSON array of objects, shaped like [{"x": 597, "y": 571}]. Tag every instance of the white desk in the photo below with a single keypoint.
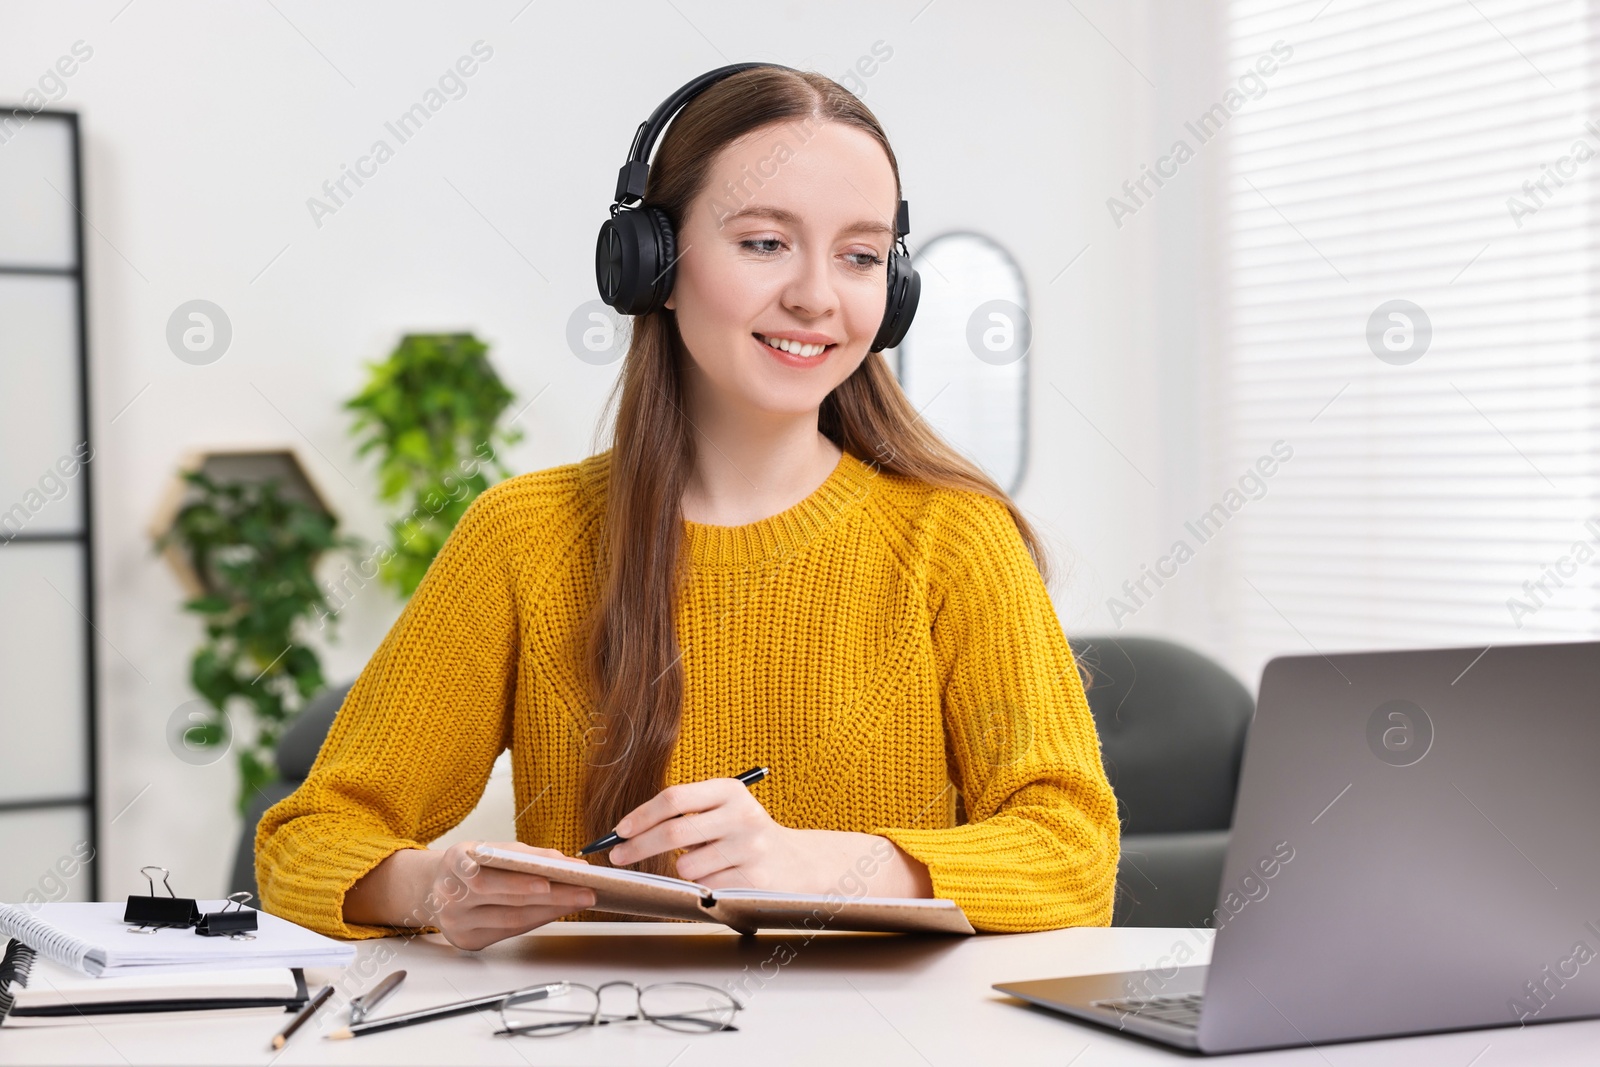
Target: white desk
[{"x": 879, "y": 1000}]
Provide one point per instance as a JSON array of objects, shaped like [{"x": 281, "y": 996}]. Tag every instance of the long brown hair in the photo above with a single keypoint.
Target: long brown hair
[{"x": 634, "y": 659}]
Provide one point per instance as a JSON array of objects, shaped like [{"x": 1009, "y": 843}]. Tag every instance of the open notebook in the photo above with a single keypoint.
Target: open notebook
[
  {"x": 92, "y": 938},
  {"x": 660, "y": 897}
]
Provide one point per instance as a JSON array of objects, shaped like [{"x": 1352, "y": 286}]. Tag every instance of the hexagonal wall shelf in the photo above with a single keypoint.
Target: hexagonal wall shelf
[{"x": 231, "y": 465}]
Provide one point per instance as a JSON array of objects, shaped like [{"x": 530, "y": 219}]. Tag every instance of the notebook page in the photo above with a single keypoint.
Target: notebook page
[
  {"x": 91, "y": 937},
  {"x": 930, "y": 903},
  {"x": 617, "y": 875},
  {"x": 756, "y": 909}
]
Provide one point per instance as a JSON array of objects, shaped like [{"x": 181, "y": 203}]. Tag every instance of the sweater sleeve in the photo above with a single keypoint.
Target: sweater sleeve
[
  {"x": 411, "y": 749},
  {"x": 1040, "y": 846}
]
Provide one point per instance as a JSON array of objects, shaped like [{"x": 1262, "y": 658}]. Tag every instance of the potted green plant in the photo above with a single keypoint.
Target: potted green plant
[
  {"x": 250, "y": 549},
  {"x": 431, "y": 412}
]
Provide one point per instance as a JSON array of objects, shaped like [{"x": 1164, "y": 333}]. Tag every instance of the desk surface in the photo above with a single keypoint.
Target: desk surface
[{"x": 840, "y": 998}]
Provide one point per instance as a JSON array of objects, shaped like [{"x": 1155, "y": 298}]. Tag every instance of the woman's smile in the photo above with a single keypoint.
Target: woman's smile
[{"x": 793, "y": 353}]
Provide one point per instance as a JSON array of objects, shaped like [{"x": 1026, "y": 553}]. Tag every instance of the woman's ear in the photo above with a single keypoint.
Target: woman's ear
[{"x": 667, "y": 303}]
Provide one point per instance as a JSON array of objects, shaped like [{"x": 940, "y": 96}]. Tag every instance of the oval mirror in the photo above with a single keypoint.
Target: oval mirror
[{"x": 964, "y": 361}]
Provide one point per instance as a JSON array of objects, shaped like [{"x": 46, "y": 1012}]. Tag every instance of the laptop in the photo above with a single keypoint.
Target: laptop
[{"x": 1414, "y": 850}]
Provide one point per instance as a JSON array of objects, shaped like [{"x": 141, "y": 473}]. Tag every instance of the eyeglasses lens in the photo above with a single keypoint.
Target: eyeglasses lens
[
  {"x": 687, "y": 1007},
  {"x": 545, "y": 1016}
]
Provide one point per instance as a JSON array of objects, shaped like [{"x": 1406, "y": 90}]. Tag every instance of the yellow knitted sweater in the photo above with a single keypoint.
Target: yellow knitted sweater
[{"x": 887, "y": 648}]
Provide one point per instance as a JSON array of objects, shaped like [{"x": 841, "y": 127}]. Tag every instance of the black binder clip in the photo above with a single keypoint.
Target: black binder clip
[
  {"x": 230, "y": 924},
  {"x": 151, "y": 913}
]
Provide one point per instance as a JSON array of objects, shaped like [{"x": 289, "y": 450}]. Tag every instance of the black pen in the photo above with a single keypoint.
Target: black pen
[
  {"x": 748, "y": 778},
  {"x": 282, "y": 1038}
]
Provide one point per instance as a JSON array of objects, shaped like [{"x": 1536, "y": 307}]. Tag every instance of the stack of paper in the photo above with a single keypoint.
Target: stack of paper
[{"x": 46, "y": 993}]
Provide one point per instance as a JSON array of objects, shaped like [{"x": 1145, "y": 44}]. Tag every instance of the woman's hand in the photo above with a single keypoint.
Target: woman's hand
[
  {"x": 473, "y": 905},
  {"x": 731, "y": 842}
]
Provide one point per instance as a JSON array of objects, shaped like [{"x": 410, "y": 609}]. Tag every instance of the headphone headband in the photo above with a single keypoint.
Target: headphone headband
[{"x": 635, "y": 173}]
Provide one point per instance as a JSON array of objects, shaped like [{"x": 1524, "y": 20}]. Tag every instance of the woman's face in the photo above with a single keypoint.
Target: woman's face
[{"x": 789, "y": 240}]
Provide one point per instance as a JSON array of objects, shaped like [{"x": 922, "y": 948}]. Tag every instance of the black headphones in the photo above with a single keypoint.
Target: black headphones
[{"x": 637, "y": 250}]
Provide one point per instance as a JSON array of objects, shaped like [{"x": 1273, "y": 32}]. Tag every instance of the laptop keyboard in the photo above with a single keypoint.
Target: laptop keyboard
[{"x": 1179, "y": 1010}]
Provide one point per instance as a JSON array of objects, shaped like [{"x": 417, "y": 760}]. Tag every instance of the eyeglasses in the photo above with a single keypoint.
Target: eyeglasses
[{"x": 545, "y": 1010}]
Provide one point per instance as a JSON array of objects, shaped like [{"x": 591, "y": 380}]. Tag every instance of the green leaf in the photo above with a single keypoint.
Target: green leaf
[
  {"x": 428, "y": 413},
  {"x": 208, "y": 605}
]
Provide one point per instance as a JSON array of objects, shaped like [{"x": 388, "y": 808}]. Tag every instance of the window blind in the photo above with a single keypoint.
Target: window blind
[{"x": 1409, "y": 303}]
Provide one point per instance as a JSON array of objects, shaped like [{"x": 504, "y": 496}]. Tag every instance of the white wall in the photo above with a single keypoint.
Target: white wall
[{"x": 207, "y": 126}]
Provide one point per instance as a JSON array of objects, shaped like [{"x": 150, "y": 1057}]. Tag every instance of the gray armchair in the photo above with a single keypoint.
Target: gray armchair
[
  {"x": 1172, "y": 725},
  {"x": 297, "y": 751}
]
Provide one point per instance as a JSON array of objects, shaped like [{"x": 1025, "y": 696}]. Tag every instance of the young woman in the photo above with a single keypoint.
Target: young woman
[{"x": 776, "y": 564}]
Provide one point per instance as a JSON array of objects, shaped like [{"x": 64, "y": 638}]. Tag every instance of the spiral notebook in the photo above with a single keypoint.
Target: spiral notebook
[
  {"x": 91, "y": 937},
  {"x": 657, "y": 896},
  {"x": 40, "y": 992}
]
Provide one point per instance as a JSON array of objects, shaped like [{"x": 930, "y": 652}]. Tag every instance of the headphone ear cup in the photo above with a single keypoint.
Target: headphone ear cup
[
  {"x": 634, "y": 258},
  {"x": 900, "y": 306},
  {"x": 666, "y": 271}
]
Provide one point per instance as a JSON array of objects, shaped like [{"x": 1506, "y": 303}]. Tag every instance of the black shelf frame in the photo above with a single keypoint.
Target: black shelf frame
[{"x": 90, "y": 801}]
